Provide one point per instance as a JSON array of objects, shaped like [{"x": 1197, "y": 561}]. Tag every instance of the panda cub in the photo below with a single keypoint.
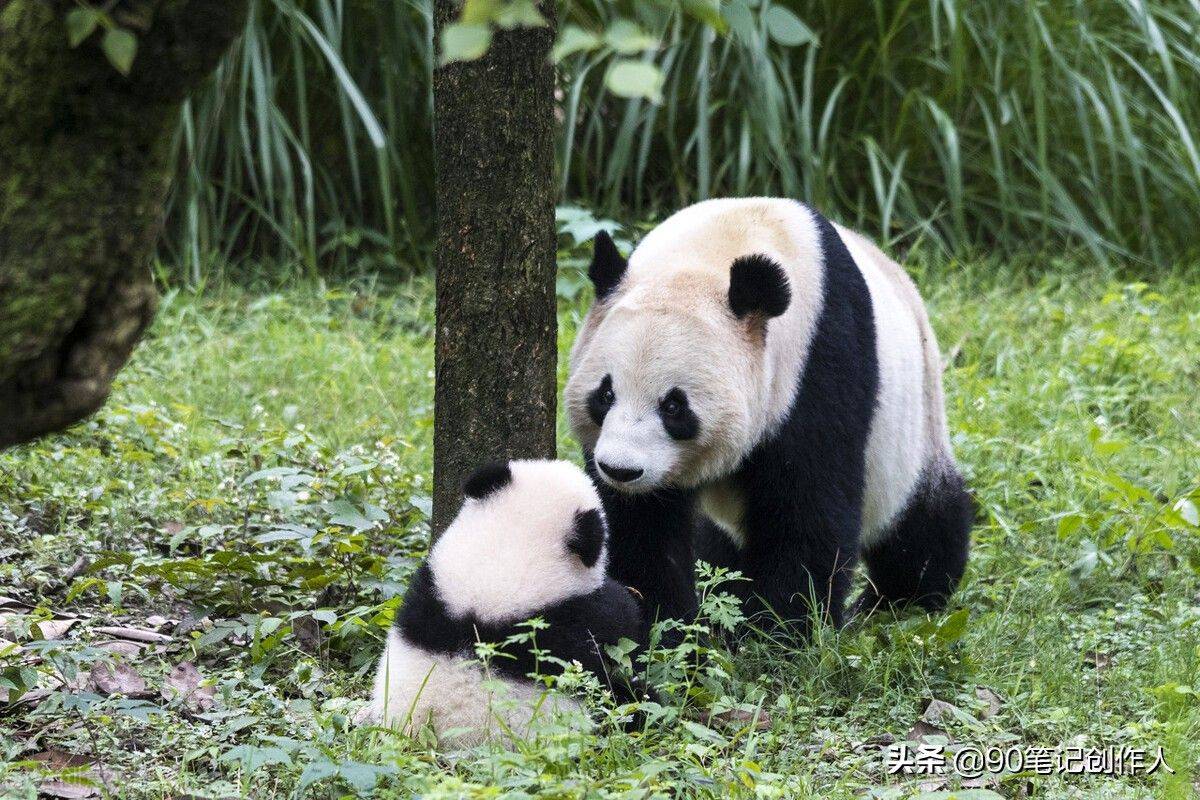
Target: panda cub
[
  {"x": 528, "y": 542},
  {"x": 768, "y": 381}
]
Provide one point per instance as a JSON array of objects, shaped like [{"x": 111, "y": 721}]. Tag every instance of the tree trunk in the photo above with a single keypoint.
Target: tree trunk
[
  {"x": 84, "y": 172},
  {"x": 496, "y": 351}
]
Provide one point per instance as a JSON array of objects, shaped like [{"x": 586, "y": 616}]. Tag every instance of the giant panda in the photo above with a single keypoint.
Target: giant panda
[
  {"x": 528, "y": 542},
  {"x": 777, "y": 373}
]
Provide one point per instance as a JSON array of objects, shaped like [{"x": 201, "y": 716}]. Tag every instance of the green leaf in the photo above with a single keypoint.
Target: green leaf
[
  {"x": 316, "y": 771},
  {"x": 120, "y": 47},
  {"x": 628, "y": 39},
  {"x": 273, "y": 472},
  {"x": 217, "y": 634},
  {"x": 361, "y": 777},
  {"x": 520, "y": 14},
  {"x": 465, "y": 41},
  {"x": 81, "y": 22},
  {"x": 479, "y": 12},
  {"x": 954, "y": 627},
  {"x": 1068, "y": 524},
  {"x": 788, "y": 29},
  {"x": 573, "y": 39},
  {"x": 741, "y": 20},
  {"x": 629, "y": 78},
  {"x": 343, "y": 512},
  {"x": 708, "y": 12},
  {"x": 253, "y": 757}
]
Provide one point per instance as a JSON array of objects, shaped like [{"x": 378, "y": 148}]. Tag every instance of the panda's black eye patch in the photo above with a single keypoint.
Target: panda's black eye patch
[
  {"x": 600, "y": 400},
  {"x": 680, "y": 422}
]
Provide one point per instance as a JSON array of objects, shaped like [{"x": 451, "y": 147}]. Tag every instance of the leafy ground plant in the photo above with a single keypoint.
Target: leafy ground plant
[{"x": 194, "y": 584}]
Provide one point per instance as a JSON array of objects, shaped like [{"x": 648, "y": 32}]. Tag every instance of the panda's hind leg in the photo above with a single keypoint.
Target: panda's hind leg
[{"x": 921, "y": 557}]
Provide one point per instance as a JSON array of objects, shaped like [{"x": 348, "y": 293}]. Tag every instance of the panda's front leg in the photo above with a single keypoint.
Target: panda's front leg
[
  {"x": 650, "y": 548},
  {"x": 799, "y": 554}
]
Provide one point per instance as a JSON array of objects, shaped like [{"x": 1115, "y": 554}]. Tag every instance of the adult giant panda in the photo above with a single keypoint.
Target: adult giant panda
[
  {"x": 780, "y": 371},
  {"x": 528, "y": 542}
]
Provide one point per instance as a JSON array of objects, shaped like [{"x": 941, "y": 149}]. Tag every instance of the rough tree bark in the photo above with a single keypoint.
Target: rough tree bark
[
  {"x": 496, "y": 350},
  {"x": 84, "y": 171}
]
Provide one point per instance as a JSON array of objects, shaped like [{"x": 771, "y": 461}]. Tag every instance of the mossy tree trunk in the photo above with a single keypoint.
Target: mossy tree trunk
[
  {"x": 84, "y": 172},
  {"x": 496, "y": 350}
]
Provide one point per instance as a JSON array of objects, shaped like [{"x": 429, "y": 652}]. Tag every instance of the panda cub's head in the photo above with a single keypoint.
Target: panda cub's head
[
  {"x": 669, "y": 378},
  {"x": 529, "y": 534}
]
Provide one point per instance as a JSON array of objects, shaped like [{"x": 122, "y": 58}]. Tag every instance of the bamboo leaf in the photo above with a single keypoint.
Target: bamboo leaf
[
  {"x": 786, "y": 28},
  {"x": 629, "y": 78},
  {"x": 81, "y": 22},
  {"x": 120, "y": 47},
  {"x": 465, "y": 42},
  {"x": 574, "y": 39}
]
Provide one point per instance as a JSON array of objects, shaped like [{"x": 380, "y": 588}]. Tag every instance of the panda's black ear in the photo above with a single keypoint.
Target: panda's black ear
[
  {"x": 758, "y": 285},
  {"x": 587, "y": 540},
  {"x": 490, "y": 477},
  {"x": 608, "y": 265}
]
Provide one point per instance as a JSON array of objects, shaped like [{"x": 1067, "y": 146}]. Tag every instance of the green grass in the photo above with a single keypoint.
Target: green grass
[
  {"x": 968, "y": 125},
  {"x": 1072, "y": 402}
]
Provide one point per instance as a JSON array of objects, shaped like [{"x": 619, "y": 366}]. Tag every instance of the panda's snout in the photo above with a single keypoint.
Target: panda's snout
[{"x": 619, "y": 474}]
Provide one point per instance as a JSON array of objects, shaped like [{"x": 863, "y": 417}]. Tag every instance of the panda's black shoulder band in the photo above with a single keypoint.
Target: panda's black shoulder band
[
  {"x": 490, "y": 477},
  {"x": 608, "y": 265},
  {"x": 758, "y": 285}
]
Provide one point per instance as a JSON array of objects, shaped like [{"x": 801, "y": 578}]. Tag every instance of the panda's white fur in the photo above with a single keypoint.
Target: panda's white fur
[
  {"x": 503, "y": 558},
  {"x": 910, "y": 407},
  {"x": 459, "y": 700},
  {"x": 672, "y": 323}
]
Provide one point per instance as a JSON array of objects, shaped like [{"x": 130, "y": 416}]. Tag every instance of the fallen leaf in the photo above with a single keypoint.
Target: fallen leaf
[
  {"x": 58, "y": 760},
  {"x": 11, "y": 602},
  {"x": 184, "y": 681},
  {"x": 76, "y": 569},
  {"x": 70, "y": 790},
  {"x": 191, "y": 622},
  {"x": 30, "y": 698},
  {"x": 133, "y": 634},
  {"x": 123, "y": 648},
  {"x": 992, "y": 700},
  {"x": 921, "y": 729},
  {"x": 738, "y": 718},
  {"x": 308, "y": 634},
  {"x": 79, "y": 784},
  {"x": 111, "y": 678},
  {"x": 939, "y": 712},
  {"x": 55, "y": 628},
  {"x": 75, "y": 682},
  {"x": 157, "y": 621}
]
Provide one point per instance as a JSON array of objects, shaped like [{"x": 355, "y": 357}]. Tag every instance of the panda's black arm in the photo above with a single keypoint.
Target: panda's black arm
[
  {"x": 578, "y": 629},
  {"x": 583, "y": 627},
  {"x": 650, "y": 547}
]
